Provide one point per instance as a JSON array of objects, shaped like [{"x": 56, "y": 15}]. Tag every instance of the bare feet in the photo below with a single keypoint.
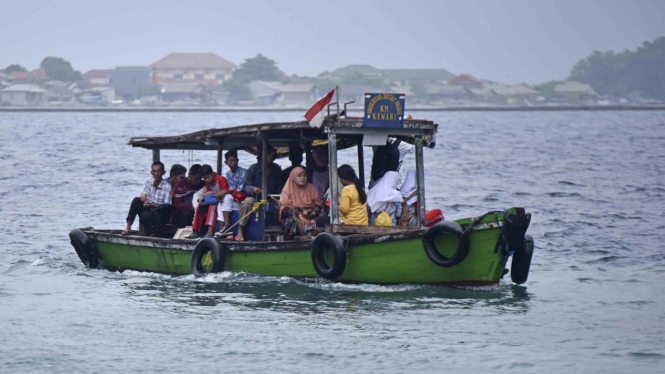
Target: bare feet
[{"x": 240, "y": 237}]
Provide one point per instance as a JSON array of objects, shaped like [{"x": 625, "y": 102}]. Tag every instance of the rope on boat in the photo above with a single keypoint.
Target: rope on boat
[{"x": 256, "y": 207}]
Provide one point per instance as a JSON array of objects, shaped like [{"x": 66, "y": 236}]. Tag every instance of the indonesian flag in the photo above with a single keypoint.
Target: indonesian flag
[{"x": 316, "y": 114}]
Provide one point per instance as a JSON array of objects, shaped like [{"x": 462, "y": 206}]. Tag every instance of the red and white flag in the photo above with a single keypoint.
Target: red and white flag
[{"x": 316, "y": 114}]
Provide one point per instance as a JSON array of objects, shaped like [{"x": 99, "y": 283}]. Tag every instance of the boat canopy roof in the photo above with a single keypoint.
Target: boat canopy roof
[{"x": 281, "y": 135}]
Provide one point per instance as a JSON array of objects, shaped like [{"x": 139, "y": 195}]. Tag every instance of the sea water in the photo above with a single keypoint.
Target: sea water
[{"x": 594, "y": 301}]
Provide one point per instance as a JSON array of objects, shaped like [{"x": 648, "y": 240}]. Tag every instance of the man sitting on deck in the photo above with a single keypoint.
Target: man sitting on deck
[
  {"x": 206, "y": 212},
  {"x": 235, "y": 176},
  {"x": 154, "y": 205},
  {"x": 183, "y": 194},
  {"x": 253, "y": 181}
]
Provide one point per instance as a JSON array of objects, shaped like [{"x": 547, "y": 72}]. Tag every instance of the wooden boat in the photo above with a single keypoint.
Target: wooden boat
[{"x": 471, "y": 251}]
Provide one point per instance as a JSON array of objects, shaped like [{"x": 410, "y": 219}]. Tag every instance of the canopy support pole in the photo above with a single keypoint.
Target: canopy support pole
[
  {"x": 264, "y": 180},
  {"x": 155, "y": 155},
  {"x": 219, "y": 158},
  {"x": 420, "y": 176},
  {"x": 332, "y": 165},
  {"x": 361, "y": 161}
]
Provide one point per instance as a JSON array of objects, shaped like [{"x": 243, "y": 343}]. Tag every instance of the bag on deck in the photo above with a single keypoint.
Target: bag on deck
[
  {"x": 209, "y": 200},
  {"x": 383, "y": 219}
]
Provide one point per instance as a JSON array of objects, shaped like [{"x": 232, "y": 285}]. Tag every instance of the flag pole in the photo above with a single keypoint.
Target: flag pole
[
  {"x": 337, "y": 99},
  {"x": 332, "y": 164}
]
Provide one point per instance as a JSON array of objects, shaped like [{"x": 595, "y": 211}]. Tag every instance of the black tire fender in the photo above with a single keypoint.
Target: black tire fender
[
  {"x": 323, "y": 241},
  {"x": 208, "y": 257},
  {"x": 519, "y": 270},
  {"x": 85, "y": 248},
  {"x": 430, "y": 246}
]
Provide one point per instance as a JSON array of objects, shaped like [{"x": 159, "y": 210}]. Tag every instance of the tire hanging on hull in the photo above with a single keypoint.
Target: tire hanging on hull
[
  {"x": 323, "y": 241},
  {"x": 433, "y": 253},
  {"x": 208, "y": 257},
  {"x": 519, "y": 269},
  {"x": 85, "y": 248}
]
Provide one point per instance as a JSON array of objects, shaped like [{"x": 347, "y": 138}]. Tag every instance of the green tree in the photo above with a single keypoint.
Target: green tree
[
  {"x": 14, "y": 67},
  {"x": 238, "y": 90},
  {"x": 259, "y": 68},
  {"x": 546, "y": 89},
  {"x": 621, "y": 74},
  {"x": 58, "y": 68},
  {"x": 418, "y": 90}
]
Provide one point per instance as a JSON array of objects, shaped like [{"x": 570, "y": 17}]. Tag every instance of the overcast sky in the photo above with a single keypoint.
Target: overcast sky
[{"x": 509, "y": 41}]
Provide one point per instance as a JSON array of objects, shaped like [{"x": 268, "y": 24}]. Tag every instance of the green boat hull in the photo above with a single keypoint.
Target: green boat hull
[{"x": 379, "y": 259}]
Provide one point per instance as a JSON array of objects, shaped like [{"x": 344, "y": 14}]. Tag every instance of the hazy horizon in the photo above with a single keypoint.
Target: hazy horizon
[{"x": 515, "y": 41}]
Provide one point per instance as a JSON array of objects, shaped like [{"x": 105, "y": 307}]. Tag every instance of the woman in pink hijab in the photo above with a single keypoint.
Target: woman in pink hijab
[{"x": 300, "y": 204}]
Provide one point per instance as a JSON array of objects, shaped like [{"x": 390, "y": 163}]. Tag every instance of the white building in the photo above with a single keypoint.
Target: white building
[
  {"x": 23, "y": 95},
  {"x": 202, "y": 67}
]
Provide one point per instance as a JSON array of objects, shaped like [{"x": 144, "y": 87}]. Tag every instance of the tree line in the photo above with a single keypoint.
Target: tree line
[{"x": 622, "y": 74}]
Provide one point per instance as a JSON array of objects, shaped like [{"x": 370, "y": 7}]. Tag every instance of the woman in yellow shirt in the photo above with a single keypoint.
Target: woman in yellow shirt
[{"x": 353, "y": 199}]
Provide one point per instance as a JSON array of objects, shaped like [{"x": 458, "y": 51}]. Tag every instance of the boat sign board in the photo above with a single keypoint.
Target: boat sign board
[{"x": 384, "y": 110}]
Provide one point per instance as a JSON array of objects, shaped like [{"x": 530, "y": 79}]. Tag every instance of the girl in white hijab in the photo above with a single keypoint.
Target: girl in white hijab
[{"x": 384, "y": 197}]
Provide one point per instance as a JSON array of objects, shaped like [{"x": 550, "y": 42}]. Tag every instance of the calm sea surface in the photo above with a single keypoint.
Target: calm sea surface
[{"x": 594, "y": 301}]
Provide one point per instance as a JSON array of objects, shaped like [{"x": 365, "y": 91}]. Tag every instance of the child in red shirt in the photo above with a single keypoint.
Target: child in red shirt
[{"x": 206, "y": 215}]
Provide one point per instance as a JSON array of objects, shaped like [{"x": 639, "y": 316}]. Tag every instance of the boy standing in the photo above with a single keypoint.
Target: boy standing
[{"x": 235, "y": 176}]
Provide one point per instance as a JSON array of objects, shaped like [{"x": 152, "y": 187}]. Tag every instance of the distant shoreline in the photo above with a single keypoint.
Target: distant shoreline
[{"x": 304, "y": 109}]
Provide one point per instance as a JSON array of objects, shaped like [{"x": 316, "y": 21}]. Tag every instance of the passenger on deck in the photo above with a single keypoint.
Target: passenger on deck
[
  {"x": 388, "y": 158},
  {"x": 206, "y": 212},
  {"x": 235, "y": 176},
  {"x": 295, "y": 156},
  {"x": 300, "y": 205},
  {"x": 176, "y": 174},
  {"x": 183, "y": 194},
  {"x": 253, "y": 181},
  {"x": 409, "y": 191},
  {"x": 353, "y": 201},
  {"x": 384, "y": 197},
  {"x": 154, "y": 205},
  {"x": 318, "y": 173}
]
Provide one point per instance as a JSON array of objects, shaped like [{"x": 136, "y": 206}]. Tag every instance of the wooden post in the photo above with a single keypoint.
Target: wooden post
[
  {"x": 219, "y": 158},
  {"x": 420, "y": 176},
  {"x": 155, "y": 155},
  {"x": 264, "y": 181},
  {"x": 361, "y": 161},
  {"x": 332, "y": 165}
]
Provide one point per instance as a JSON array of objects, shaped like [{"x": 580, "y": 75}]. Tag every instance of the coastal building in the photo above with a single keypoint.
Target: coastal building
[
  {"x": 575, "y": 92},
  {"x": 19, "y": 76},
  {"x": 182, "y": 91},
  {"x": 466, "y": 80},
  {"x": 130, "y": 81},
  {"x": 60, "y": 92},
  {"x": 207, "y": 68},
  {"x": 409, "y": 76},
  {"x": 439, "y": 92},
  {"x": 23, "y": 95},
  {"x": 514, "y": 94},
  {"x": 98, "y": 95},
  {"x": 98, "y": 77},
  {"x": 294, "y": 94},
  {"x": 264, "y": 92},
  {"x": 400, "y": 76}
]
